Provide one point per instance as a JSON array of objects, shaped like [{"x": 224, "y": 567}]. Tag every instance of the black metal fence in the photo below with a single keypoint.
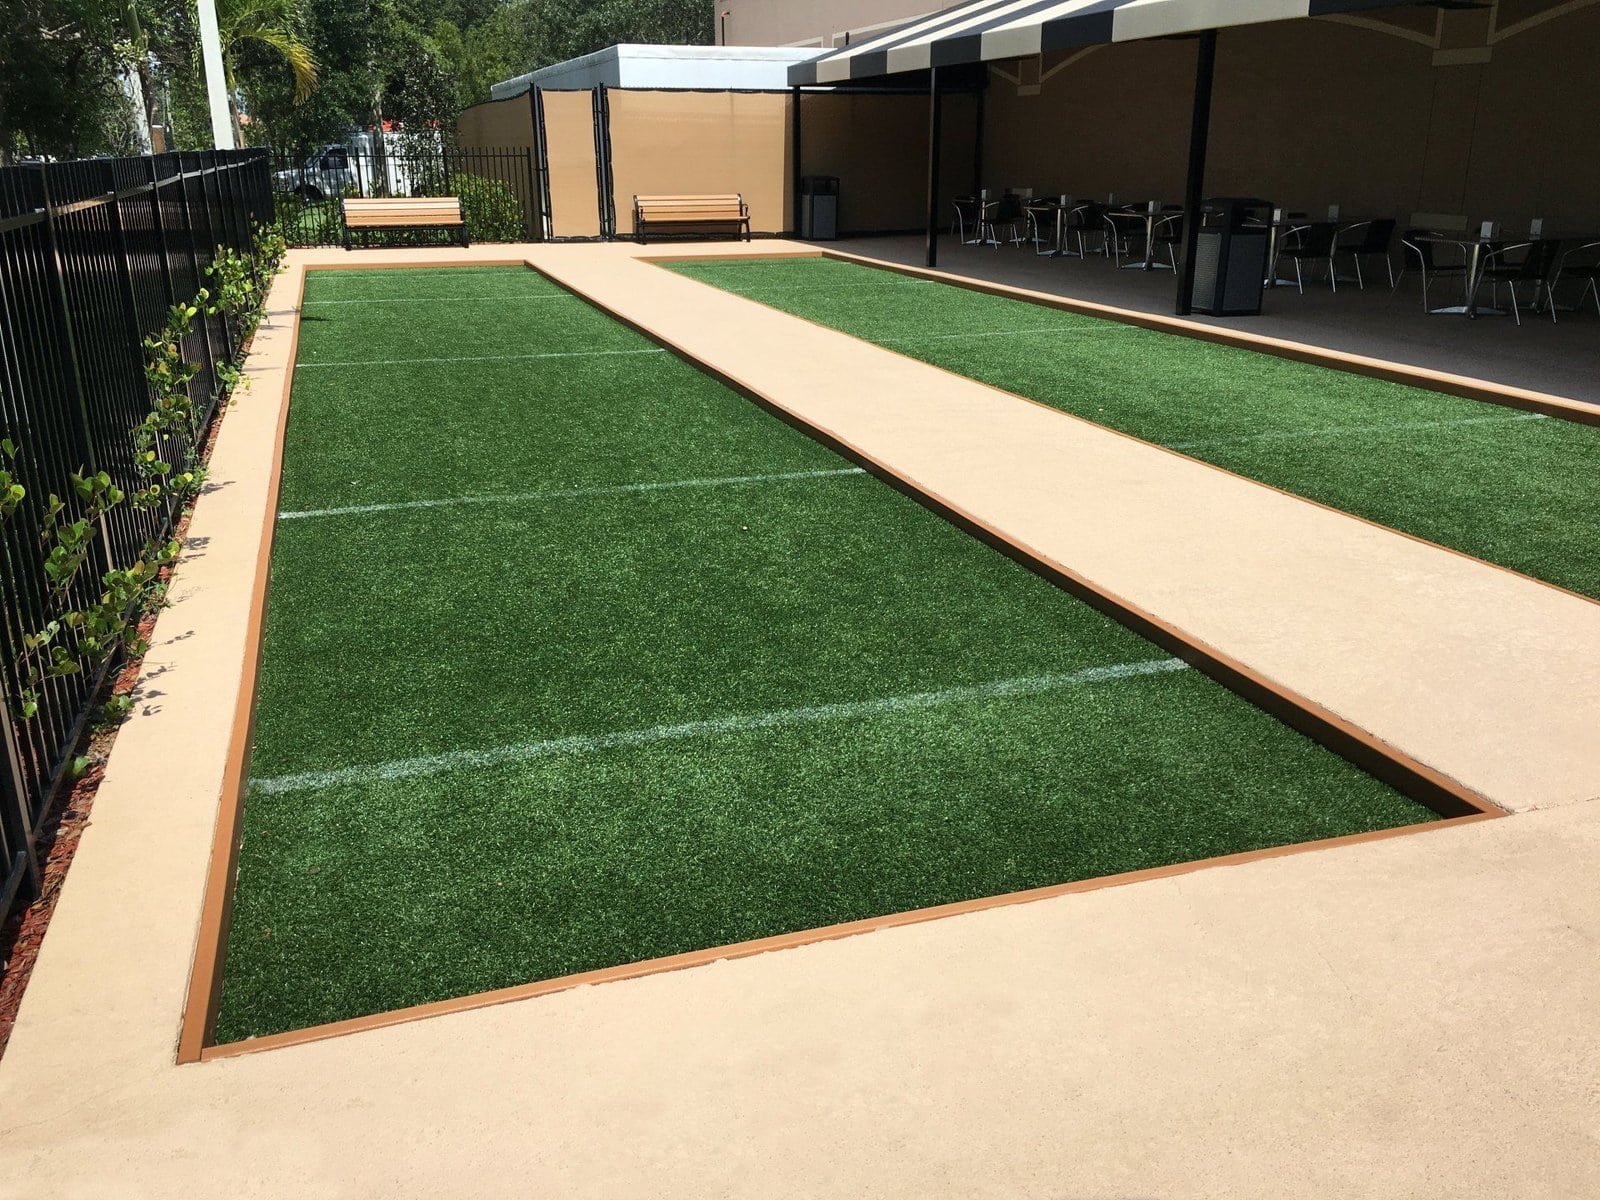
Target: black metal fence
[
  {"x": 92, "y": 254},
  {"x": 498, "y": 188}
]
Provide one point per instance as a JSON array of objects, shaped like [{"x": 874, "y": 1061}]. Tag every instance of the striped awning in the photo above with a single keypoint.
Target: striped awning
[{"x": 984, "y": 30}]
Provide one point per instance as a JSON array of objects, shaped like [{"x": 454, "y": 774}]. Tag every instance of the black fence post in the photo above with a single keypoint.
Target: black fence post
[
  {"x": 160, "y": 223},
  {"x": 62, "y": 313},
  {"x": 206, "y": 347}
]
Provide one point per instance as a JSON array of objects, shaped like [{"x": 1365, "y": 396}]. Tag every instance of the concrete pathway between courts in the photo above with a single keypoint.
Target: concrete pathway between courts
[{"x": 1411, "y": 1017}]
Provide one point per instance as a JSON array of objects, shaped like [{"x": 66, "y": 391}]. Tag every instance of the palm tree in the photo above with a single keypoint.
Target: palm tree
[{"x": 269, "y": 23}]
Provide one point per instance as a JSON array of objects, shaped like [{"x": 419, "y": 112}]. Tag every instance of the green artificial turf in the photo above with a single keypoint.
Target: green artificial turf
[
  {"x": 1505, "y": 486},
  {"x": 923, "y": 728}
]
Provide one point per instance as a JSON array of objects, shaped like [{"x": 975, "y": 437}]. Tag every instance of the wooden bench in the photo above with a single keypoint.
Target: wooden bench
[
  {"x": 404, "y": 212},
  {"x": 690, "y": 214}
]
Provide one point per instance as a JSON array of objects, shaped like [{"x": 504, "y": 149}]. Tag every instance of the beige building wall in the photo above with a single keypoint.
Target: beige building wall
[
  {"x": 813, "y": 22},
  {"x": 877, "y": 146},
  {"x": 1473, "y": 115}
]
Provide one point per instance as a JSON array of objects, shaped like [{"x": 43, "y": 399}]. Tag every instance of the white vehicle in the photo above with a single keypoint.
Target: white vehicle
[{"x": 364, "y": 164}]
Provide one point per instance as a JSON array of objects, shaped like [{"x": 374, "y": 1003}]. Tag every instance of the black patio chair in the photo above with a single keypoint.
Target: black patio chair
[
  {"x": 1167, "y": 233},
  {"x": 1041, "y": 217},
  {"x": 1586, "y": 273},
  {"x": 1008, "y": 219},
  {"x": 1370, "y": 239},
  {"x": 1083, "y": 222},
  {"x": 1524, "y": 262},
  {"x": 1313, "y": 243},
  {"x": 1427, "y": 261},
  {"x": 969, "y": 220}
]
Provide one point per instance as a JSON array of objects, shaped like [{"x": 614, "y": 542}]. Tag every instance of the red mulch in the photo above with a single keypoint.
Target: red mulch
[{"x": 63, "y": 825}]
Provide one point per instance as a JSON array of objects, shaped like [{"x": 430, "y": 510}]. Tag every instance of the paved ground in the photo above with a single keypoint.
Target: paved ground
[{"x": 1404, "y": 1018}]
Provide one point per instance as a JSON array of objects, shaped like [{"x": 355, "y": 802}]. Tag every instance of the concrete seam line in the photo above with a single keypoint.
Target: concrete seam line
[
  {"x": 1337, "y": 430},
  {"x": 436, "y": 764},
  {"x": 620, "y": 489},
  {"x": 404, "y": 362}
]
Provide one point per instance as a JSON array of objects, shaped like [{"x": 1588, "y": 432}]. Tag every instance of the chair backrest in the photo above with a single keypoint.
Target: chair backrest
[
  {"x": 1316, "y": 239},
  {"x": 1375, "y": 237},
  {"x": 1010, "y": 207},
  {"x": 1087, "y": 216},
  {"x": 1551, "y": 252}
]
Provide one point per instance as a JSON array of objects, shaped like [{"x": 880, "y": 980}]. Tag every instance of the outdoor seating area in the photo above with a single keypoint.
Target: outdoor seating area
[{"x": 1498, "y": 272}]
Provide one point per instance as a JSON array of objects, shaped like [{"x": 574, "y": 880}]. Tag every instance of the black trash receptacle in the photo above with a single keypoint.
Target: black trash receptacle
[
  {"x": 1230, "y": 260},
  {"x": 819, "y": 207}
]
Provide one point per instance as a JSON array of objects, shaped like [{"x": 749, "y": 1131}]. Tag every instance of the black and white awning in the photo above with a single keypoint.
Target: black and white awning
[{"x": 985, "y": 30}]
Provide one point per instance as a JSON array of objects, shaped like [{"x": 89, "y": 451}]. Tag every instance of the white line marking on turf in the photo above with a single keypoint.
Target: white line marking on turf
[
  {"x": 439, "y": 299},
  {"x": 436, "y": 764},
  {"x": 1338, "y": 430},
  {"x": 404, "y": 362},
  {"x": 618, "y": 489}
]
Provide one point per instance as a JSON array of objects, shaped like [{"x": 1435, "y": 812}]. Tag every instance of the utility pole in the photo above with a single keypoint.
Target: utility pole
[{"x": 216, "y": 78}]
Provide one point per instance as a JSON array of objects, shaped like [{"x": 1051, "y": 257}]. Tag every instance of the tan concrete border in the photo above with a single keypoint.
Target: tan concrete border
[
  {"x": 1455, "y": 803},
  {"x": 1463, "y": 386}
]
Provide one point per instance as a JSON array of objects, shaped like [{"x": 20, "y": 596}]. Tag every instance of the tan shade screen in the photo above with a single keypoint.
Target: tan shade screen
[
  {"x": 496, "y": 124},
  {"x": 702, "y": 143},
  {"x": 878, "y": 148},
  {"x": 569, "y": 147}
]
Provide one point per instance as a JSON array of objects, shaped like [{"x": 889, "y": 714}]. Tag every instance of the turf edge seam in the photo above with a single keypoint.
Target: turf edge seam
[{"x": 1456, "y": 804}]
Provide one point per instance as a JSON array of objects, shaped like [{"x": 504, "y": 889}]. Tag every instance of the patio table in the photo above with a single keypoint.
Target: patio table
[
  {"x": 1476, "y": 247},
  {"x": 986, "y": 209},
  {"x": 1149, "y": 216}
]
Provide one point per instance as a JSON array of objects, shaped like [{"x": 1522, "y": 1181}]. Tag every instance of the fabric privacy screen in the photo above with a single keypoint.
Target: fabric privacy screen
[
  {"x": 569, "y": 147},
  {"x": 701, "y": 143},
  {"x": 984, "y": 30}
]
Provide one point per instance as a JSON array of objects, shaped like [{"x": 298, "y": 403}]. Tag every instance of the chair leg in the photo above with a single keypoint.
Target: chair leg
[
  {"x": 1361, "y": 282},
  {"x": 1516, "y": 312},
  {"x": 1333, "y": 274},
  {"x": 1393, "y": 281},
  {"x": 1299, "y": 277}
]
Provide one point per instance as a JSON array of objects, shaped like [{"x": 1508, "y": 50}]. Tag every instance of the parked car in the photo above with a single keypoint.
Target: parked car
[{"x": 330, "y": 171}]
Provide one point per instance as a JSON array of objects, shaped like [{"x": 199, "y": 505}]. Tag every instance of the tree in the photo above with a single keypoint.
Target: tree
[
  {"x": 60, "y": 92},
  {"x": 272, "y": 26}
]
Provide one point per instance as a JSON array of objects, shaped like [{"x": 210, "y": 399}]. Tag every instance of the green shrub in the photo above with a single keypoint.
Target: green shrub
[{"x": 492, "y": 210}]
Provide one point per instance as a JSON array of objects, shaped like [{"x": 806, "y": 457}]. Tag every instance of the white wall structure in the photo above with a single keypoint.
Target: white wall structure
[{"x": 718, "y": 68}]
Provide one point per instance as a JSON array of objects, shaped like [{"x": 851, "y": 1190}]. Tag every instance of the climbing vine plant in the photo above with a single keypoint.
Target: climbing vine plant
[{"x": 86, "y": 627}]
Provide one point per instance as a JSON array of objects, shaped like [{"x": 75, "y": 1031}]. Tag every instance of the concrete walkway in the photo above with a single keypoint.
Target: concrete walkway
[{"x": 1410, "y": 1017}]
